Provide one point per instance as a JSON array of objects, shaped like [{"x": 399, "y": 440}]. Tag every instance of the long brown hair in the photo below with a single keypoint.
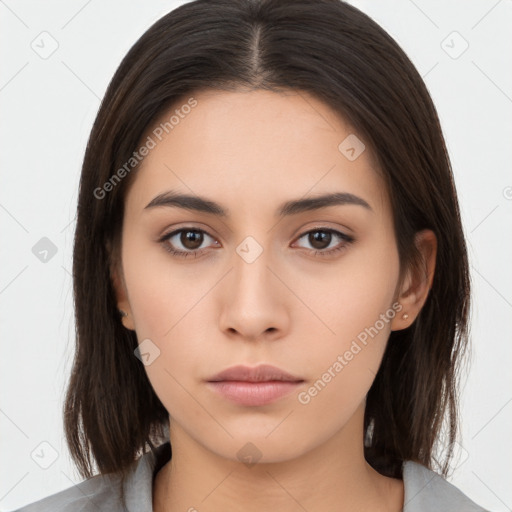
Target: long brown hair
[{"x": 335, "y": 52}]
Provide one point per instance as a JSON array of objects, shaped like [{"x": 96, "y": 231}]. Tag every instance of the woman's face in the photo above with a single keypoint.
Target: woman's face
[{"x": 310, "y": 291}]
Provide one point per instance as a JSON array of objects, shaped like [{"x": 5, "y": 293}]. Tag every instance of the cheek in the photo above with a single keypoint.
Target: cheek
[
  {"x": 169, "y": 303},
  {"x": 355, "y": 306},
  {"x": 350, "y": 296},
  {"x": 343, "y": 365},
  {"x": 161, "y": 292},
  {"x": 333, "y": 337},
  {"x": 168, "y": 306},
  {"x": 342, "y": 301}
]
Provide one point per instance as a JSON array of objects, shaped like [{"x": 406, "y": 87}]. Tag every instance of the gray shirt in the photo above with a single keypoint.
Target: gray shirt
[{"x": 425, "y": 491}]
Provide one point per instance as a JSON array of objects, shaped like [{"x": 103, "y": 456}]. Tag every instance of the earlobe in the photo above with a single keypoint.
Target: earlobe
[
  {"x": 418, "y": 281},
  {"x": 126, "y": 319},
  {"x": 123, "y": 304}
]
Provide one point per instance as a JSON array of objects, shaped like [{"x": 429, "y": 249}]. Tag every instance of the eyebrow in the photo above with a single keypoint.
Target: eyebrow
[{"x": 201, "y": 204}]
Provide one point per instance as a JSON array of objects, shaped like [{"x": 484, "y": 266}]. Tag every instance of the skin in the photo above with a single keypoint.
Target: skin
[{"x": 250, "y": 152}]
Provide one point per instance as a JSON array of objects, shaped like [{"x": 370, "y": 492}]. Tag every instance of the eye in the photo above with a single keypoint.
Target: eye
[
  {"x": 190, "y": 240},
  {"x": 322, "y": 238}
]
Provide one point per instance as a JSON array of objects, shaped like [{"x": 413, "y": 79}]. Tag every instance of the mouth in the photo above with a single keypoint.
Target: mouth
[
  {"x": 261, "y": 373},
  {"x": 256, "y": 386}
]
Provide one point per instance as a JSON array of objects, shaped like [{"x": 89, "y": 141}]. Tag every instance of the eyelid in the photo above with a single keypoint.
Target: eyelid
[
  {"x": 345, "y": 237},
  {"x": 175, "y": 231},
  {"x": 326, "y": 229},
  {"x": 166, "y": 236},
  {"x": 325, "y": 226}
]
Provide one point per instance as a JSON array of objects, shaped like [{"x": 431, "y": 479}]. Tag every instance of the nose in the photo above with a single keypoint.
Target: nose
[{"x": 255, "y": 302}]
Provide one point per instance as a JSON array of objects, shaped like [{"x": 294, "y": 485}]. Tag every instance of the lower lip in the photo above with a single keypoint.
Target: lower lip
[{"x": 254, "y": 393}]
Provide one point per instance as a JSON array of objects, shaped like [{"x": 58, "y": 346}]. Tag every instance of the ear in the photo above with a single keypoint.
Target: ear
[
  {"x": 417, "y": 282},
  {"x": 118, "y": 283}
]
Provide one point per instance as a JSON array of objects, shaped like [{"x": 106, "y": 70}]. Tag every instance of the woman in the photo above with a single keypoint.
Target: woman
[{"x": 270, "y": 275}]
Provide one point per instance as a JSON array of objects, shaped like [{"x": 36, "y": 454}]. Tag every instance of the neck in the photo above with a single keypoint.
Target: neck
[{"x": 333, "y": 476}]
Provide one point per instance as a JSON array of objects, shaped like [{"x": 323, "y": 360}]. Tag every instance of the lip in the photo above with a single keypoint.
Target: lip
[
  {"x": 260, "y": 373},
  {"x": 254, "y": 386}
]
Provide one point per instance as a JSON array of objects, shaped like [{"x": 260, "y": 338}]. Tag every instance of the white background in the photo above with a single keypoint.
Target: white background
[{"x": 48, "y": 107}]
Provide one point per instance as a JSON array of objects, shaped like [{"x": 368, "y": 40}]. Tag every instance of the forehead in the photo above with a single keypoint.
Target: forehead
[{"x": 259, "y": 146}]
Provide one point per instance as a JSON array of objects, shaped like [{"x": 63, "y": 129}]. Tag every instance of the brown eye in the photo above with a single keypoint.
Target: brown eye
[
  {"x": 191, "y": 239},
  {"x": 320, "y": 241},
  {"x": 185, "y": 242}
]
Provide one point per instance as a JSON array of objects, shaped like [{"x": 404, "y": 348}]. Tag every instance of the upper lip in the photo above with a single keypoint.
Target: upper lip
[{"x": 261, "y": 373}]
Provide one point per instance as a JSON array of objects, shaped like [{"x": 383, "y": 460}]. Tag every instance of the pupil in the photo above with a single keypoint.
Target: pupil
[
  {"x": 193, "y": 241},
  {"x": 320, "y": 237}
]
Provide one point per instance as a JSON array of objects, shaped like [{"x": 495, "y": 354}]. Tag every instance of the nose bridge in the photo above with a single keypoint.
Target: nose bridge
[
  {"x": 251, "y": 261},
  {"x": 252, "y": 297}
]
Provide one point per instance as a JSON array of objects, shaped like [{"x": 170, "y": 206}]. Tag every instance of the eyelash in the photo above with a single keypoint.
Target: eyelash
[{"x": 317, "y": 253}]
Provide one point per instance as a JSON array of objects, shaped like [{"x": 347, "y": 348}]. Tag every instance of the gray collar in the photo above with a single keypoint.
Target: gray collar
[{"x": 425, "y": 490}]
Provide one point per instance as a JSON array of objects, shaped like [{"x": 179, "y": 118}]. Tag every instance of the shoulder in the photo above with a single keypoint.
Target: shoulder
[
  {"x": 96, "y": 493},
  {"x": 425, "y": 490},
  {"x": 103, "y": 492}
]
